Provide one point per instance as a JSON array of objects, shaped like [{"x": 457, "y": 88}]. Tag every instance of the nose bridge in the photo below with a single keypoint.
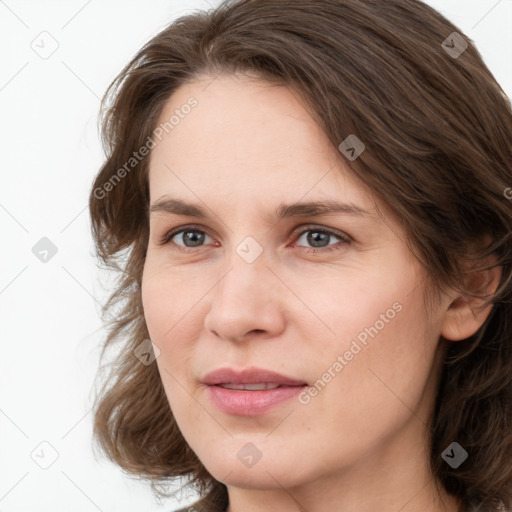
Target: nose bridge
[
  {"x": 242, "y": 301},
  {"x": 246, "y": 276}
]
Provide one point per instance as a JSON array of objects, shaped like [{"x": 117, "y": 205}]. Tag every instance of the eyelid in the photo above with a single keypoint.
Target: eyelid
[
  {"x": 322, "y": 229},
  {"x": 166, "y": 238}
]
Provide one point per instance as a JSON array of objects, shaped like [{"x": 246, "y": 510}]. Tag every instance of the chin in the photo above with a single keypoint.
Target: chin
[
  {"x": 259, "y": 477},
  {"x": 240, "y": 463}
]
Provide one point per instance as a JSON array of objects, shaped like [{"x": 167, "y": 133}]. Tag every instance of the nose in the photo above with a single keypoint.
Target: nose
[{"x": 247, "y": 302}]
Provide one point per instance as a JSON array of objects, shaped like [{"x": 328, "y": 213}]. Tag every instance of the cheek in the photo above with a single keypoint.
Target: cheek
[
  {"x": 163, "y": 305},
  {"x": 378, "y": 326},
  {"x": 350, "y": 306},
  {"x": 171, "y": 310},
  {"x": 155, "y": 302},
  {"x": 385, "y": 366},
  {"x": 166, "y": 298}
]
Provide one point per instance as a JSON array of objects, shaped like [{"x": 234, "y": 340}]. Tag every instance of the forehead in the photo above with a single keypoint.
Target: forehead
[
  {"x": 247, "y": 138},
  {"x": 241, "y": 117}
]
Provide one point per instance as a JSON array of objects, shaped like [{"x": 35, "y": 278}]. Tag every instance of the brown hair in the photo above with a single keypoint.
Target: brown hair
[{"x": 437, "y": 129}]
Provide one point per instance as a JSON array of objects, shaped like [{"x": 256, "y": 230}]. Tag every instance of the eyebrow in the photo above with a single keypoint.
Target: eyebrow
[{"x": 306, "y": 209}]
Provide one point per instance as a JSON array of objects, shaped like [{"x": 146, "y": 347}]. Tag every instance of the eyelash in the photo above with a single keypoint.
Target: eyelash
[{"x": 345, "y": 239}]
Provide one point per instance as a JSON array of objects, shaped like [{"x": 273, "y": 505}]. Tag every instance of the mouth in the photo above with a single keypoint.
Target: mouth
[
  {"x": 251, "y": 387},
  {"x": 251, "y": 391}
]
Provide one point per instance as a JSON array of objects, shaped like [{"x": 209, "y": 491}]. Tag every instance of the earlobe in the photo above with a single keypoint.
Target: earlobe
[{"x": 466, "y": 314}]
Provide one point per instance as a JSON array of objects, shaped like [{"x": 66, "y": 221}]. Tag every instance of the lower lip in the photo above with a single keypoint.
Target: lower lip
[{"x": 251, "y": 403}]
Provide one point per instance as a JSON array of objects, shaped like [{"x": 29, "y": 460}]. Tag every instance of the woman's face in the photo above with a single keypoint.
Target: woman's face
[{"x": 261, "y": 282}]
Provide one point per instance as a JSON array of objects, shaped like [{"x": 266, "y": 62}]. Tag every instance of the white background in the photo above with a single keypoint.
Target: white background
[{"x": 50, "y": 327}]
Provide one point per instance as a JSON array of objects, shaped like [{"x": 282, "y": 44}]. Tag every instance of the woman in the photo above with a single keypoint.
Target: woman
[{"x": 307, "y": 204}]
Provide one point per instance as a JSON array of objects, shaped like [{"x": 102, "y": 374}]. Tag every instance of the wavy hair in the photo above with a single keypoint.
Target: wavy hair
[{"x": 438, "y": 133}]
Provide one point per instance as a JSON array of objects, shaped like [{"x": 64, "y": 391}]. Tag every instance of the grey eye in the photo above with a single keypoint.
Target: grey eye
[
  {"x": 318, "y": 237},
  {"x": 190, "y": 237}
]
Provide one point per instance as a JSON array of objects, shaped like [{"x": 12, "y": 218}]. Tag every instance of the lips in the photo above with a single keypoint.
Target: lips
[
  {"x": 250, "y": 392},
  {"x": 249, "y": 376}
]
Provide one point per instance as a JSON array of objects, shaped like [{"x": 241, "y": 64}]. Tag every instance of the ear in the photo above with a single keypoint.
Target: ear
[{"x": 465, "y": 315}]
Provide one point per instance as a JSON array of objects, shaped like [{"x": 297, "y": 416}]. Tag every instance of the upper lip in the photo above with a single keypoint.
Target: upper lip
[{"x": 248, "y": 376}]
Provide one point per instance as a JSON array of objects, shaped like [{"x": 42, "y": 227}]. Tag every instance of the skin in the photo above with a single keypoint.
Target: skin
[{"x": 360, "y": 443}]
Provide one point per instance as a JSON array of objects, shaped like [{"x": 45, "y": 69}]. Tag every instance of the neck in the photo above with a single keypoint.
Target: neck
[{"x": 347, "y": 497}]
